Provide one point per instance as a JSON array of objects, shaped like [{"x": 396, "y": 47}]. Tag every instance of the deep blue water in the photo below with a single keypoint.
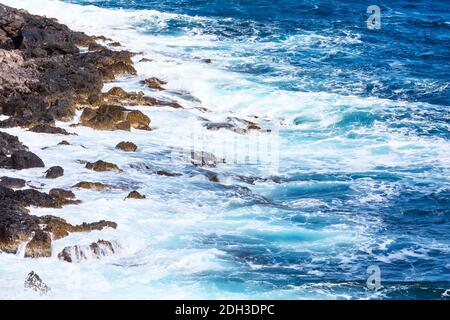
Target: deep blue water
[{"x": 395, "y": 196}]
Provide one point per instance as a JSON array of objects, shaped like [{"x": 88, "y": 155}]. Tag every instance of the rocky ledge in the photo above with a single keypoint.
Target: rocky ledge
[{"x": 45, "y": 77}]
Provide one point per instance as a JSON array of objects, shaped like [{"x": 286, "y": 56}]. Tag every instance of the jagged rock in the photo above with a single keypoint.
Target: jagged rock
[
  {"x": 102, "y": 166},
  {"x": 145, "y": 60},
  {"x": 34, "y": 282},
  {"x": 76, "y": 254},
  {"x": 135, "y": 195},
  {"x": 25, "y": 160},
  {"x": 119, "y": 96},
  {"x": 106, "y": 117},
  {"x": 154, "y": 83},
  {"x": 54, "y": 172},
  {"x": 63, "y": 197},
  {"x": 31, "y": 197},
  {"x": 60, "y": 228},
  {"x": 12, "y": 182},
  {"x": 40, "y": 246},
  {"x": 11, "y": 25},
  {"x": 17, "y": 226},
  {"x": 10, "y": 144},
  {"x": 138, "y": 120},
  {"x": 126, "y": 146},
  {"x": 45, "y": 128}
]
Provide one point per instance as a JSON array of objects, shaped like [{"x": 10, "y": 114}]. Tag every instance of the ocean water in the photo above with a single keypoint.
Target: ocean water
[{"x": 362, "y": 124}]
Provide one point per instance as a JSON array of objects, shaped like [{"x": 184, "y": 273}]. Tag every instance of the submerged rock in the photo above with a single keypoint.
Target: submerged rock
[
  {"x": 154, "y": 83},
  {"x": 102, "y": 166},
  {"x": 34, "y": 282},
  {"x": 204, "y": 159},
  {"x": 126, "y": 146},
  {"x": 64, "y": 143},
  {"x": 98, "y": 186},
  {"x": 135, "y": 195},
  {"x": 234, "y": 124},
  {"x": 97, "y": 250},
  {"x": 54, "y": 172}
]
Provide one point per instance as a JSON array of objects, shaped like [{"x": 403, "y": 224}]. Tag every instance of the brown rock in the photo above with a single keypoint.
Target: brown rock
[
  {"x": 40, "y": 246},
  {"x": 127, "y": 146},
  {"x": 64, "y": 143},
  {"x": 154, "y": 83},
  {"x": 102, "y": 166},
  {"x": 135, "y": 195},
  {"x": 138, "y": 120},
  {"x": 92, "y": 185},
  {"x": 76, "y": 254}
]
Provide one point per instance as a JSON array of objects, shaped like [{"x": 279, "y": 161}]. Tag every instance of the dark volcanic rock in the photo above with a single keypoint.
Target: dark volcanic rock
[
  {"x": 17, "y": 226},
  {"x": 11, "y": 25},
  {"x": 25, "y": 160},
  {"x": 12, "y": 182},
  {"x": 34, "y": 282},
  {"x": 45, "y": 128},
  {"x": 45, "y": 77},
  {"x": 10, "y": 144},
  {"x": 54, "y": 172}
]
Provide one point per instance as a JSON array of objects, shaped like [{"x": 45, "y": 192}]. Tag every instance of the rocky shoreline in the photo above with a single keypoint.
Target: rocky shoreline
[{"x": 47, "y": 73}]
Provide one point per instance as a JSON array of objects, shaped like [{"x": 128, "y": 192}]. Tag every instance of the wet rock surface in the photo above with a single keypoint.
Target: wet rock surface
[
  {"x": 54, "y": 172},
  {"x": 13, "y": 183},
  {"x": 102, "y": 166},
  {"x": 96, "y": 250},
  {"x": 126, "y": 146},
  {"x": 25, "y": 160}
]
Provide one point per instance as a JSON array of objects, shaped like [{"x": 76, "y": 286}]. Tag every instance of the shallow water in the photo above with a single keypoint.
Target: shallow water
[{"x": 362, "y": 126}]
